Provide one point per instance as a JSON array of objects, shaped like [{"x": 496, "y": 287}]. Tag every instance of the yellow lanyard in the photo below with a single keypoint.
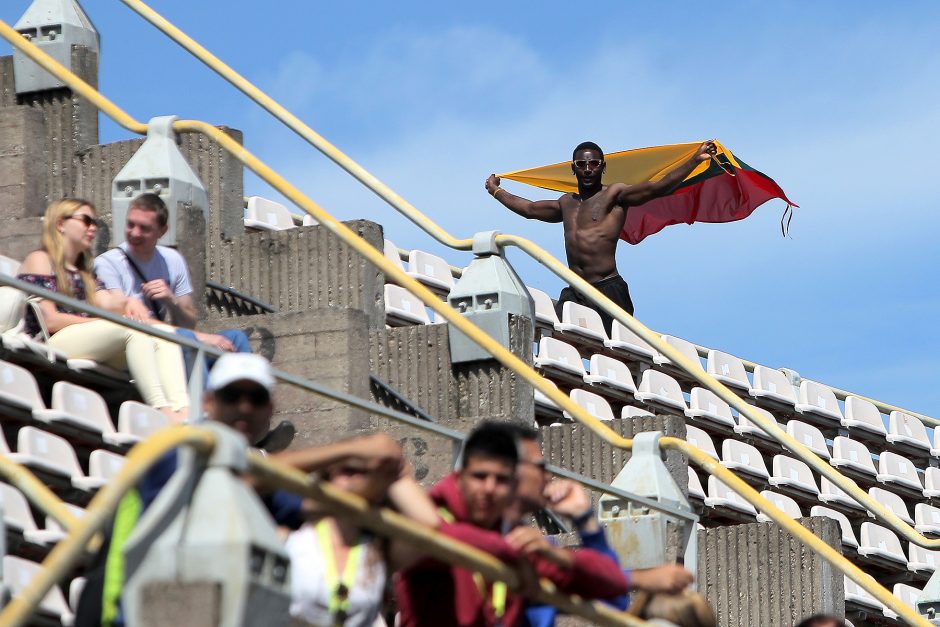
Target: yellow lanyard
[
  {"x": 498, "y": 598},
  {"x": 339, "y": 590}
]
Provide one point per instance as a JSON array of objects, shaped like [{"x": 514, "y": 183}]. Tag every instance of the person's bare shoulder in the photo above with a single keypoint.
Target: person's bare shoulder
[{"x": 37, "y": 262}]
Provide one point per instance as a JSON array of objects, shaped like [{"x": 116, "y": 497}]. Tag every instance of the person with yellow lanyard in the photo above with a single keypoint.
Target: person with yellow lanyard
[
  {"x": 472, "y": 502},
  {"x": 338, "y": 571}
]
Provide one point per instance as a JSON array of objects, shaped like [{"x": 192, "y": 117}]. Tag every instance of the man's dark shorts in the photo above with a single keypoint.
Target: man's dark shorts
[{"x": 613, "y": 287}]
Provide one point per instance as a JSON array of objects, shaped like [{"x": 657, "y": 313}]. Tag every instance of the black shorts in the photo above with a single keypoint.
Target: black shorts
[{"x": 613, "y": 287}]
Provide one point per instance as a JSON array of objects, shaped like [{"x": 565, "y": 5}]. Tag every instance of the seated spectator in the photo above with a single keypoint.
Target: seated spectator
[
  {"x": 686, "y": 609},
  {"x": 238, "y": 394},
  {"x": 473, "y": 502},
  {"x": 155, "y": 279},
  {"x": 822, "y": 620},
  {"x": 339, "y": 571},
  {"x": 535, "y": 491},
  {"x": 63, "y": 264}
]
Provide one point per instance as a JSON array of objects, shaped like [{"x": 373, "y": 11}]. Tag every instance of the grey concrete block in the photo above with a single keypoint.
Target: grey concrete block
[
  {"x": 759, "y": 574},
  {"x": 191, "y": 603},
  {"x": 23, "y": 170}
]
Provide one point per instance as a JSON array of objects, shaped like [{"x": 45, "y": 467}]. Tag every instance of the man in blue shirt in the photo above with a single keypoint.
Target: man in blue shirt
[{"x": 535, "y": 490}]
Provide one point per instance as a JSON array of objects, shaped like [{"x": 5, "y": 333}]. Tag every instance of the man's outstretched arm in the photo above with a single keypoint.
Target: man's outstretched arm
[
  {"x": 544, "y": 210},
  {"x": 633, "y": 195}
]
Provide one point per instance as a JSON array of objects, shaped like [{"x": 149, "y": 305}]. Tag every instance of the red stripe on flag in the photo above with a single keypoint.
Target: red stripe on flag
[{"x": 722, "y": 198}]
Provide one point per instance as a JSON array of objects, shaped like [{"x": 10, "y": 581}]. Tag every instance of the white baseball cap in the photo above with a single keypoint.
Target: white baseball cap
[{"x": 232, "y": 367}]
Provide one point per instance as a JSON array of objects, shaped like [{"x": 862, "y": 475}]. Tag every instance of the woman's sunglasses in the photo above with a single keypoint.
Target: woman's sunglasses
[{"x": 85, "y": 218}]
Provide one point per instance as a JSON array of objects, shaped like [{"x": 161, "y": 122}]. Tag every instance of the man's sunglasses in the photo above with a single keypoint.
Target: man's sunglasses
[
  {"x": 592, "y": 163},
  {"x": 256, "y": 397},
  {"x": 85, "y": 218}
]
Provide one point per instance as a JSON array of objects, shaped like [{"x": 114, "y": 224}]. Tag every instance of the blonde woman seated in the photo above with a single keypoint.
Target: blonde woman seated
[
  {"x": 339, "y": 571},
  {"x": 64, "y": 264}
]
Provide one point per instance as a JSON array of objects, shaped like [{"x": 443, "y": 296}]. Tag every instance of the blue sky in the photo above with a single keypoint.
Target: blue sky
[{"x": 836, "y": 102}]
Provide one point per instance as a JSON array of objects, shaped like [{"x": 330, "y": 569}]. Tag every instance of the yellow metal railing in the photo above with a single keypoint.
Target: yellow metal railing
[
  {"x": 555, "y": 266},
  {"x": 374, "y": 184},
  {"x": 513, "y": 362},
  {"x": 384, "y": 522}
]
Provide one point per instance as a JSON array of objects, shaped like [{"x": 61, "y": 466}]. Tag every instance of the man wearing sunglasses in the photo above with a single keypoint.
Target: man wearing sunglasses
[
  {"x": 593, "y": 220},
  {"x": 536, "y": 491}
]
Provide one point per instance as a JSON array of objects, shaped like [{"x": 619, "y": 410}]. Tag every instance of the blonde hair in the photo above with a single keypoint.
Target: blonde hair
[
  {"x": 54, "y": 244},
  {"x": 686, "y": 609}
]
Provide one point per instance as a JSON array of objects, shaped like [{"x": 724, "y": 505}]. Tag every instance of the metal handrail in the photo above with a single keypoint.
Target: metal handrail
[
  {"x": 373, "y": 183},
  {"x": 66, "y": 553},
  {"x": 513, "y": 362}
]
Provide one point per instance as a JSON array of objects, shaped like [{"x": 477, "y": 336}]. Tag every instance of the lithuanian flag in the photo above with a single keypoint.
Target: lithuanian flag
[{"x": 722, "y": 189}]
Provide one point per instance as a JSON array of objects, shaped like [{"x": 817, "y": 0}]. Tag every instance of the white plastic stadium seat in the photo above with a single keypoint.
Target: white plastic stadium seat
[
  {"x": 16, "y": 512},
  {"x": 809, "y": 436},
  {"x": 138, "y": 421},
  {"x": 892, "y": 502},
  {"x": 832, "y": 494},
  {"x": 593, "y": 404},
  {"x": 908, "y": 430},
  {"x": 18, "y": 387},
  {"x": 545, "y": 315},
  {"x": 557, "y": 355},
  {"x": 921, "y": 560},
  {"x": 932, "y": 482},
  {"x": 701, "y": 440},
  {"x": 104, "y": 466},
  {"x": 53, "y": 531},
  {"x": 658, "y": 388},
  {"x": 848, "y": 534},
  {"x": 696, "y": 490},
  {"x": 793, "y": 474},
  {"x": 728, "y": 369},
  {"x": 927, "y": 518},
  {"x": 854, "y": 593},
  {"x": 610, "y": 372},
  {"x": 267, "y": 215},
  {"x": 629, "y": 412},
  {"x": 862, "y": 414},
  {"x": 430, "y": 270},
  {"x": 404, "y": 308},
  {"x": 685, "y": 347},
  {"x": 896, "y": 470},
  {"x": 308, "y": 220},
  {"x": 908, "y": 595},
  {"x": 9, "y": 266},
  {"x": 772, "y": 385},
  {"x": 743, "y": 459},
  {"x": 704, "y": 405},
  {"x": 783, "y": 502},
  {"x": 878, "y": 541},
  {"x": 849, "y": 453},
  {"x": 626, "y": 341},
  {"x": 39, "y": 450},
  {"x": 818, "y": 402},
  {"x": 581, "y": 321},
  {"x": 83, "y": 408},
  {"x": 17, "y": 573},
  {"x": 720, "y": 495},
  {"x": 390, "y": 250},
  {"x": 748, "y": 428}
]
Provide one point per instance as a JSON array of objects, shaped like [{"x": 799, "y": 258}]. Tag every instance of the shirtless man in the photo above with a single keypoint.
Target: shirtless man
[{"x": 593, "y": 220}]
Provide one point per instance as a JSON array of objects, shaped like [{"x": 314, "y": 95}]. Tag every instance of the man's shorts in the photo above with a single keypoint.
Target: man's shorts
[{"x": 613, "y": 287}]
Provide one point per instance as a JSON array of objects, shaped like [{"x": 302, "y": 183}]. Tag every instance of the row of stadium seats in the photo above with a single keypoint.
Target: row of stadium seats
[{"x": 262, "y": 214}]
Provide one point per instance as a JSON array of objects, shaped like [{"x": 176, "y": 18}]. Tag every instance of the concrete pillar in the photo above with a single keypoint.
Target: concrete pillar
[
  {"x": 489, "y": 390},
  {"x": 191, "y": 603},
  {"x": 304, "y": 268},
  {"x": 22, "y": 180},
  {"x": 325, "y": 345},
  {"x": 758, "y": 574},
  {"x": 191, "y": 244}
]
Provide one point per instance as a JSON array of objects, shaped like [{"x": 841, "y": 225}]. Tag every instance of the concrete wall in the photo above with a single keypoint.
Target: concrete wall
[
  {"x": 758, "y": 574},
  {"x": 577, "y": 448},
  {"x": 304, "y": 268}
]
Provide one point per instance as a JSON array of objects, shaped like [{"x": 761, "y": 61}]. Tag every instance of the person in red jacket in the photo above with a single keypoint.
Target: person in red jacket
[{"x": 472, "y": 502}]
